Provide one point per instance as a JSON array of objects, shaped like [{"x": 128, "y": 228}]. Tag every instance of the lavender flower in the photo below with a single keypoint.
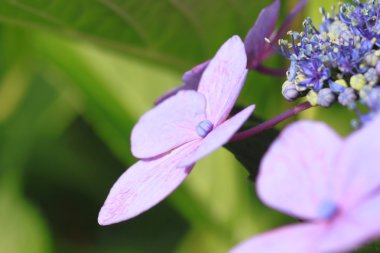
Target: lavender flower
[
  {"x": 339, "y": 60},
  {"x": 171, "y": 137}
]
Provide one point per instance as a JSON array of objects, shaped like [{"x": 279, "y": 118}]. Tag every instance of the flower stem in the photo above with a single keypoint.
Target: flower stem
[
  {"x": 281, "y": 72},
  {"x": 270, "y": 123}
]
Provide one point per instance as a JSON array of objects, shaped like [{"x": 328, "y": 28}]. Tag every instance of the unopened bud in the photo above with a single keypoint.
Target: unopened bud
[
  {"x": 325, "y": 97},
  {"x": 289, "y": 91},
  {"x": 347, "y": 97},
  {"x": 312, "y": 97},
  {"x": 358, "y": 81}
]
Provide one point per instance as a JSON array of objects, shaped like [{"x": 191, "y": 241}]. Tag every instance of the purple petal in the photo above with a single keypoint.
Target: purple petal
[
  {"x": 190, "y": 80},
  {"x": 192, "y": 77},
  {"x": 219, "y": 136},
  {"x": 168, "y": 125},
  {"x": 144, "y": 185},
  {"x": 300, "y": 238},
  {"x": 296, "y": 173},
  {"x": 281, "y": 32},
  {"x": 263, "y": 27},
  {"x": 223, "y": 79}
]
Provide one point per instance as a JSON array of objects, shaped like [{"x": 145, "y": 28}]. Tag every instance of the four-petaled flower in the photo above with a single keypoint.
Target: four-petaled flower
[
  {"x": 333, "y": 184},
  {"x": 171, "y": 137}
]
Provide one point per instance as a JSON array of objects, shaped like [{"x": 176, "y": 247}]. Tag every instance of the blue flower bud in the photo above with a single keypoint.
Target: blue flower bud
[
  {"x": 292, "y": 70},
  {"x": 338, "y": 86},
  {"x": 372, "y": 99},
  {"x": 325, "y": 97},
  {"x": 347, "y": 97},
  {"x": 371, "y": 76},
  {"x": 289, "y": 91}
]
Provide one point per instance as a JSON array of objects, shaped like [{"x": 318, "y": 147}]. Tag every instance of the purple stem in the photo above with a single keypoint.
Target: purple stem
[
  {"x": 271, "y": 71},
  {"x": 270, "y": 123}
]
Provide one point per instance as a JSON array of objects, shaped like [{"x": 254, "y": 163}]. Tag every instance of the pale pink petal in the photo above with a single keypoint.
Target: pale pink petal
[
  {"x": 354, "y": 228},
  {"x": 294, "y": 175},
  {"x": 168, "y": 125},
  {"x": 219, "y": 136},
  {"x": 347, "y": 232},
  {"x": 358, "y": 168},
  {"x": 223, "y": 79},
  {"x": 300, "y": 238},
  {"x": 144, "y": 185}
]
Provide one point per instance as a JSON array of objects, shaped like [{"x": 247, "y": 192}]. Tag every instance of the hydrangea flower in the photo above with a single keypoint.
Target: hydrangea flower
[
  {"x": 339, "y": 62},
  {"x": 331, "y": 183},
  {"x": 171, "y": 137},
  {"x": 256, "y": 48}
]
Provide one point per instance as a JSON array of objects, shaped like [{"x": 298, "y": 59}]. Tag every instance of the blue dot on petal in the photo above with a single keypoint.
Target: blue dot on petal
[
  {"x": 204, "y": 128},
  {"x": 328, "y": 210}
]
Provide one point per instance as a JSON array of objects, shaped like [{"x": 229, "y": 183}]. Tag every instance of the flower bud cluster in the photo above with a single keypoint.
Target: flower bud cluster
[{"x": 339, "y": 60}]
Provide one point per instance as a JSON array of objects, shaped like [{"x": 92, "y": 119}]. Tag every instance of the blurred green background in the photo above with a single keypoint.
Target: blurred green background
[{"x": 75, "y": 75}]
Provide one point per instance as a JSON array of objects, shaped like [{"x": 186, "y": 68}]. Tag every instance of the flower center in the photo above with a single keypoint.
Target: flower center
[
  {"x": 328, "y": 210},
  {"x": 204, "y": 128}
]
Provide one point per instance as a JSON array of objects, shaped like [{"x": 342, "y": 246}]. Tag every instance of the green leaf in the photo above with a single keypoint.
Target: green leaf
[
  {"x": 178, "y": 32},
  {"x": 369, "y": 248},
  {"x": 22, "y": 227},
  {"x": 206, "y": 242},
  {"x": 111, "y": 91}
]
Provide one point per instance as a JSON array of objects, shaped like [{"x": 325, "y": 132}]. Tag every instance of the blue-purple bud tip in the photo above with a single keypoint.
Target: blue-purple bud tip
[
  {"x": 204, "y": 128},
  {"x": 289, "y": 91},
  {"x": 328, "y": 210},
  {"x": 326, "y": 97},
  {"x": 347, "y": 97}
]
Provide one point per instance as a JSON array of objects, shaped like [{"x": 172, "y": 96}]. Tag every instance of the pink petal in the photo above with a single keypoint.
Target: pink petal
[
  {"x": 144, "y": 185},
  {"x": 347, "y": 232},
  {"x": 295, "y": 173},
  {"x": 219, "y": 136},
  {"x": 354, "y": 228},
  {"x": 190, "y": 80},
  {"x": 300, "y": 238},
  {"x": 223, "y": 79},
  {"x": 168, "y": 125},
  {"x": 358, "y": 166}
]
